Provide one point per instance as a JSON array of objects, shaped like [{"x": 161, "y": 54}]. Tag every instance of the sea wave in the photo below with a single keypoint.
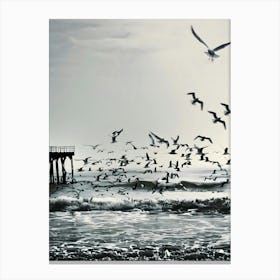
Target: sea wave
[{"x": 64, "y": 203}]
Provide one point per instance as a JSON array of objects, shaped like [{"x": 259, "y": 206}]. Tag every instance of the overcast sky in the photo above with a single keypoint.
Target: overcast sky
[{"x": 134, "y": 74}]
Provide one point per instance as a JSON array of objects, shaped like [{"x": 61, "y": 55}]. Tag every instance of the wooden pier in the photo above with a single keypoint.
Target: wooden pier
[{"x": 59, "y": 154}]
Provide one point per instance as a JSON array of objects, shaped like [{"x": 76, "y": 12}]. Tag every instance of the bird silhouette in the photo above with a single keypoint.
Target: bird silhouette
[
  {"x": 199, "y": 150},
  {"x": 84, "y": 160},
  {"x": 115, "y": 134},
  {"x": 203, "y": 138},
  {"x": 195, "y": 100},
  {"x": 217, "y": 119},
  {"x": 93, "y": 146},
  {"x": 226, "y": 151},
  {"x": 210, "y": 52},
  {"x": 160, "y": 139},
  {"x": 227, "y": 111},
  {"x": 173, "y": 152},
  {"x": 175, "y": 141},
  {"x": 153, "y": 141},
  {"x": 133, "y": 146}
]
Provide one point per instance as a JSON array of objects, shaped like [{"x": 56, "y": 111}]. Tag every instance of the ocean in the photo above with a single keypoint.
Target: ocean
[{"x": 186, "y": 219}]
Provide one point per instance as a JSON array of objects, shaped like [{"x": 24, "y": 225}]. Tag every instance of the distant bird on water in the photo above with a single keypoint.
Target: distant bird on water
[
  {"x": 227, "y": 112},
  {"x": 195, "y": 100},
  {"x": 210, "y": 52},
  {"x": 217, "y": 119}
]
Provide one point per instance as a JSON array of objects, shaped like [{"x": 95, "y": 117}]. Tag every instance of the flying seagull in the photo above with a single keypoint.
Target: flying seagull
[
  {"x": 160, "y": 140},
  {"x": 93, "y": 146},
  {"x": 133, "y": 146},
  {"x": 210, "y": 52},
  {"x": 153, "y": 141},
  {"x": 84, "y": 160},
  {"x": 202, "y": 138},
  {"x": 227, "y": 112},
  {"x": 195, "y": 100},
  {"x": 226, "y": 151},
  {"x": 175, "y": 141},
  {"x": 115, "y": 134},
  {"x": 217, "y": 119}
]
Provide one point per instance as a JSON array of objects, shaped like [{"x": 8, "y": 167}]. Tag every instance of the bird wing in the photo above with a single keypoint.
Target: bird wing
[
  {"x": 192, "y": 94},
  {"x": 210, "y": 140},
  {"x": 198, "y": 136},
  {"x": 221, "y": 47},
  {"x": 213, "y": 113},
  {"x": 147, "y": 156},
  {"x": 147, "y": 164},
  {"x": 198, "y": 38},
  {"x": 152, "y": 139},
  {"x": 201, "y": 103},
  {"x": 166, "y": 142},
  {"x": 225, "y": 105},
  {"x": 157, "y": 137},
  {"x": 223, "y": 122},
  {"x": 175, "y": 140}
]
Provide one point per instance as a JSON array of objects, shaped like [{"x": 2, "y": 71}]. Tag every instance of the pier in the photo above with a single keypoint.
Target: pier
[{"x": 57, "y": 157}]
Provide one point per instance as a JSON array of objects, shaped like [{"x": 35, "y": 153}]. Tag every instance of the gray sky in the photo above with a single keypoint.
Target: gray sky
[{"x": 134, "y": 74}]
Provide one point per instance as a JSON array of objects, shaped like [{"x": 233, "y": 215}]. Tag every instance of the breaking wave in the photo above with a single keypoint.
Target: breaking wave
[{"x": 64, "y": 203}]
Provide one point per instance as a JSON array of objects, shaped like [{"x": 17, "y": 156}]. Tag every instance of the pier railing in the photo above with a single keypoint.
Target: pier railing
[{"x": 62, "y": 149}]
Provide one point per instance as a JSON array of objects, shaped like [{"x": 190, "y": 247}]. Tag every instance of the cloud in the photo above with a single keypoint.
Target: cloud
[{"x": 107, "y": 36}]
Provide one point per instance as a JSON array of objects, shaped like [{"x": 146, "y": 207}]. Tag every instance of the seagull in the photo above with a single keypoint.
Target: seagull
[
  {"x": 130, "y": 142},
  {"x": 199, "y": 150},
  {"x": 185, "y": 163},
  {"x": 175, "y": 141},
  {"x": 227, "y": 112},
  {"x": 147, "y": 164},
  {"x": 160, "y": 140},
  {"x": 217, "y": 119},
  {"x": 173, "y": 152},
  {"x": 153, "y": 141},
  {"x": 202, "y": 138},
  {"x": 115, "y": 134},
  {"x": 196, "y": 100},
  {"x": 93, "y": 146},
  {"x": 210, "y": 52},
  {"x": 147, "y": 157},
  {"x": 84, "y": 160},
  {"x": 226, "y": 152}
]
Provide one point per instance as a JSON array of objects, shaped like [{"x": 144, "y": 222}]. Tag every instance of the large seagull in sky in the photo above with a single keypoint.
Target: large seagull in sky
[{"x": 210, "y": 52}]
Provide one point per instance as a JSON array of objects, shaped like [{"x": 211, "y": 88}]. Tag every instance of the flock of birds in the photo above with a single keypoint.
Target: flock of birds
[
  {"x": 115, "y": 170},
  {"x": 215, "y": 119},
  {"x": 181, "y": 154}
]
